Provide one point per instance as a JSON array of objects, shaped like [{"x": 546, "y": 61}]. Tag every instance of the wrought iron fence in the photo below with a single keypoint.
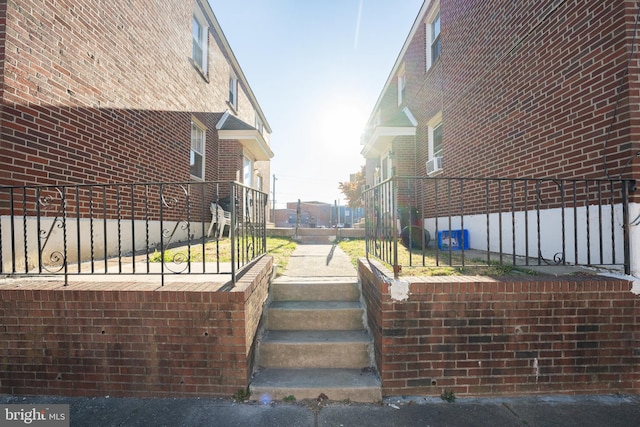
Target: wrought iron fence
[
  {"x": 138, "y": 229},
  {"x": 518, "y": 222}
]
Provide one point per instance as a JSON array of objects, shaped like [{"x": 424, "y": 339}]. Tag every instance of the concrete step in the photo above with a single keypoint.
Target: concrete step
[
  {"x": 315, "y": 291},
  {"x": 356, "y": 385},
  {"x": 315, "y": 349},
  {"x": 303, "y": 231},
  {"x": 315, "y": 240},
  {"x": 314, "y": 315}
]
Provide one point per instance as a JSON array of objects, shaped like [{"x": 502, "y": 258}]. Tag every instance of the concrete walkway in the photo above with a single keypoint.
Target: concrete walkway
[{"x": 319, "y": 261}]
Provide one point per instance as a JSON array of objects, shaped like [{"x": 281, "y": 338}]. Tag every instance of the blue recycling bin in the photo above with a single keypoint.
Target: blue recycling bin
[{"x": 454, "y": 240}]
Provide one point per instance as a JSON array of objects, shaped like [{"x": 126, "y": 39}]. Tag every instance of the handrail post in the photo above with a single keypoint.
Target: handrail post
[
  {"x": 627, "y": 187},
  {"x": 394, "y": 226},
  {"x": 232, "y": 232}
]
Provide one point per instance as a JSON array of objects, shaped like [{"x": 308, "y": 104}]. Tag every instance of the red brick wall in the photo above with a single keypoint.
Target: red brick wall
[
  {"x": 482, "y": 336},
  {"x": 231, "y": 157},
  {"x": 528, "y": 91},
  {"x": 105, "y": 339},
  {"x": 50, "y": 145}
]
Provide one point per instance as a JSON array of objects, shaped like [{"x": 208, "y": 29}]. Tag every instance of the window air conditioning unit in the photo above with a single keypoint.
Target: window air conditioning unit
[{"x": 434, "y": 165}]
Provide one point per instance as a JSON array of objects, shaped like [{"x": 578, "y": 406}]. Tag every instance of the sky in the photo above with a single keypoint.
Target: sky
[{"x": 316, "y": 68}]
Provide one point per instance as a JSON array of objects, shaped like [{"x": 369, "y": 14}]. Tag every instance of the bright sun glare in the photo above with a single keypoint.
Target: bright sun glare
[{"x": 341, "y": 126}]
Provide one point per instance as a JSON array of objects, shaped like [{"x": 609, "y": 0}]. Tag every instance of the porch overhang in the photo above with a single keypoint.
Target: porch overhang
[
  {"x": 232, "y": 128},
  {"x": 382, "y": 136},
  {"x": 251, "y": 140}
]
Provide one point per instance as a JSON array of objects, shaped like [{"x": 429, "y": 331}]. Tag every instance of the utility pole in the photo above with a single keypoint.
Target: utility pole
[{"x": 273, "y": 200}]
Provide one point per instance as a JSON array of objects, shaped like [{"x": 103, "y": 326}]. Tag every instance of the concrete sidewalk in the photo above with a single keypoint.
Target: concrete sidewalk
[{"x": 580, "y": 411}]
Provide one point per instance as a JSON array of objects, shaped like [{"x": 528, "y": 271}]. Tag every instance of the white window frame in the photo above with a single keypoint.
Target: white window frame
[
  {"x": 247, "y": 171},
  {"x": 402, "y": 84},
  {"x": 386, "y": 165},
  {"x": 384, "y": 168},
  {"x": 258, "y": 123},
  {"x": 433, "y": 16},
  {"x": 197, "y": 148},
  {"x": 233, "y": 91},
  {"x": 200, "y": 33},
  {"x": 432, "y": 132},
  {"x": 434, "y": 123}
]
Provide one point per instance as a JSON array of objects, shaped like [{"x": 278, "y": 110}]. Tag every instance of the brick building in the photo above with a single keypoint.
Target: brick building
[
  {"x": 312, "y": 214},
  {"x": 531, "y": 89},
  {"x": 112, "y": 93},
  {"x": 115, "y": 92}
]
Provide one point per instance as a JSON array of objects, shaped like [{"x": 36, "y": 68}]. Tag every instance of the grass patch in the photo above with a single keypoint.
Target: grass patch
[
  {"x": 278, "y": 247},
  {"x": 355, "y": 248},
  {"x": 241, "y": 395},
  {"x": 195, "y": 251}
]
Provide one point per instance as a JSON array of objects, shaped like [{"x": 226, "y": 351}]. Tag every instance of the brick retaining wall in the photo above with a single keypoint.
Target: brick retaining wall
[
  {"x": 482, "y": 336},
  {"x": 96, "y": 339}
]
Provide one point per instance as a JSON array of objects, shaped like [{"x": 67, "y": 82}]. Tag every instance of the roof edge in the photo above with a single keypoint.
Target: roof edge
[{"x": 206, "y": 7}]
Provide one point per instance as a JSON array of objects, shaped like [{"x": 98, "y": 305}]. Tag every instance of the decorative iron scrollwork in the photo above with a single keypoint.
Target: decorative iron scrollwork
[
  {"x": 57, "y": 259},
  {"x": 558, "y": 258},
  {"x": 179, "y": 259}
]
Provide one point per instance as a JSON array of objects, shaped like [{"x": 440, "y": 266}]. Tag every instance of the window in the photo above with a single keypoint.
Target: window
[
  {"x": 433, "y": 38},
  {"x": 233, "y": 92},
  {"x": 258, "y": 123},
  {"x": 247, "y": 172},
  {"x": 198, "y": 138},
  {"x": 434, "y": 164},
  {"x": 437, "y": 140},
  {"x": 385, "y": 168},
  {"x": 200, "y": 41},
  {"x": 402, "y": 85}
]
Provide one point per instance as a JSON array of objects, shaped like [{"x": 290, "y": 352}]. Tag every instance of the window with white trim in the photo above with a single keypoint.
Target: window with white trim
[
  {"x": 434, "y": 164},
  {"x": 198, "y": 138},
  {"x": 436, "y": 136},
  {"x": 385, "y": 167},
  {"x": 258, "y": 123},
  {"x": 402, "y": 85},
  {"x": 433, "y": 37},
  {"x": 233, "y": 92},
  {"x": 247, "y": 171},
  {"x": 200, "y": 41}
]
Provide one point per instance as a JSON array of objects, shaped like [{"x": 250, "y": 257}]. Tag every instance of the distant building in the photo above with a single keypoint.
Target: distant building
[
  {"x": 317, "y": 215},
  {"x": 312, "y": 214}
]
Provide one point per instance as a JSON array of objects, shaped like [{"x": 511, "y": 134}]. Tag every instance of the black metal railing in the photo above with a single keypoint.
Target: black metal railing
[
  {"x": 139, "y": 229},
  {"x": 461, "y": 222}
]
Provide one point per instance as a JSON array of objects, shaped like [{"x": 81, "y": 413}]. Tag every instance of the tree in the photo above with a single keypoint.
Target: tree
[{"x": 352, "y": 189}]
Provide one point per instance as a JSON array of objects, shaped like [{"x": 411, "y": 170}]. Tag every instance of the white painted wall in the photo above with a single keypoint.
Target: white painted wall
[
  {"x": 551, "y": 233},
  {"x": 56, "y": 240}
]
